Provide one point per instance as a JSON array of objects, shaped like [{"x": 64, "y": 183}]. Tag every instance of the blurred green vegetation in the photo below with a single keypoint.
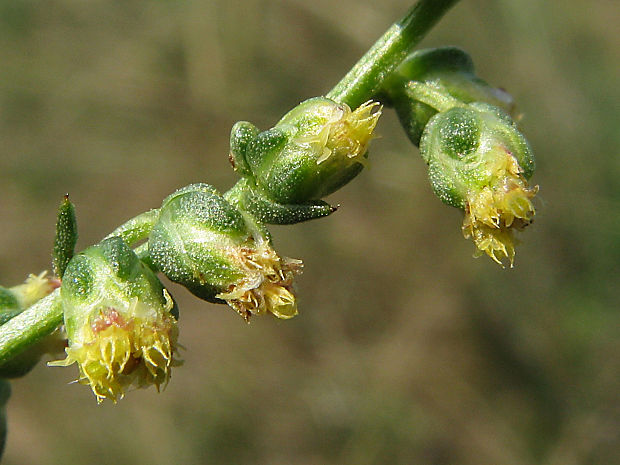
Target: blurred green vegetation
[{"x": 407, "y": 350}]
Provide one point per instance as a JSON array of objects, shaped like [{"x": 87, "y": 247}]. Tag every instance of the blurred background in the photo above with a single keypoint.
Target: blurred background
[{"x": 406, "y": 350}]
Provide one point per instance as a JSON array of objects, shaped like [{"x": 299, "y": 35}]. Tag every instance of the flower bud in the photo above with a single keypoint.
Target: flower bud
[
  {"x": 479, "y": 161},
  {"x": 18, "y": 298},
  {"x": 315, "y": 149},
  {"x": 221, "y": 254},
  {"x": 15, "y": 300},
  {"x": 120, "y": 321},
  {"x": 449, "y": 70}
]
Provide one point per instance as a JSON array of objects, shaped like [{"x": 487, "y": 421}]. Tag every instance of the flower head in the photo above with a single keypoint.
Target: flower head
[
  {"x": 120, "y": 321},
  {"x": 332, "y": 130},
  {"x": 315, "y": 149},
  {"x": 480, "y": 162},
  {"x": 13, "y": 301},
  {"x": 503, "y": 206},
  {"x": 221, "y": 254}
]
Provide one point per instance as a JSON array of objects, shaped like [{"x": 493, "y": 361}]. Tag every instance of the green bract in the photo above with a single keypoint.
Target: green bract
[
  {"x": 66, "y": 236},
  {"x": 120, "y": 321},
  {"x": 315, "y": 149},
  {"x": 449, "y": 70},
  {"x": 221, "y": 254}
]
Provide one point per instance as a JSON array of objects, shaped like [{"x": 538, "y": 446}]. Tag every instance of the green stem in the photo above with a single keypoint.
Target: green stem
[
  {"x": 30, "y": 326},
  {"x": 364, "y": 80},
  {"x": 137, "y": 228},
  {"x": 440, "y": 101}
]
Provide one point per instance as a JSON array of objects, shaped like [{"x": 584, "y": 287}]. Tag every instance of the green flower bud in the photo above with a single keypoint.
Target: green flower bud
[
  {"x": 315, "y": 149},
  {"x": 221, "y": 254},
  {"x": 120, "y": 321},
  {"x": 449, "y": 70},
  {"x": 479, "y": 161}
]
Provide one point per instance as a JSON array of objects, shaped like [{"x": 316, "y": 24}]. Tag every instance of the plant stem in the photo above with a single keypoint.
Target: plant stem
[
  {"x": 432, "y": 97},
  {"x": 365, "y": 78},
  {"x": 30, "y": 326},
  {"x": 137, "y": 228}
]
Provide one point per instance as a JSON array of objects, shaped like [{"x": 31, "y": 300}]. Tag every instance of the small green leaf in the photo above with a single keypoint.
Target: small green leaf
[{"x": 66, "y": 236}]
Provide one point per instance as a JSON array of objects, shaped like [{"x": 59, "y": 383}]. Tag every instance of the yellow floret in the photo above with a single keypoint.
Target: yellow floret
[
  {"x": 267, "y": 285},
  {"x": 493, "y": 213},
  {"x": 121, "y": 349}
]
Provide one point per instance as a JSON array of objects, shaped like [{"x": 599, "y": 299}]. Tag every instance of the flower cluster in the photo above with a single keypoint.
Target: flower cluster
[{"x": 121, "y": 323}]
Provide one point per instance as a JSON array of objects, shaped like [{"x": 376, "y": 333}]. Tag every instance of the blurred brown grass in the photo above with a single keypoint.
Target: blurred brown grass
[{"x": 406, "y": 350}]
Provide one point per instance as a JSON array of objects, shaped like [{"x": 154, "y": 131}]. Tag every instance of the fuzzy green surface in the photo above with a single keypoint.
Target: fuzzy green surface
[
  {"x": 247, "y": 196},
  {"x": 106, "y": 275},
  {"x": 459, "y": 147},
  {"x": 66, "y": 237},
  {"x": 194, "y": 238}
]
